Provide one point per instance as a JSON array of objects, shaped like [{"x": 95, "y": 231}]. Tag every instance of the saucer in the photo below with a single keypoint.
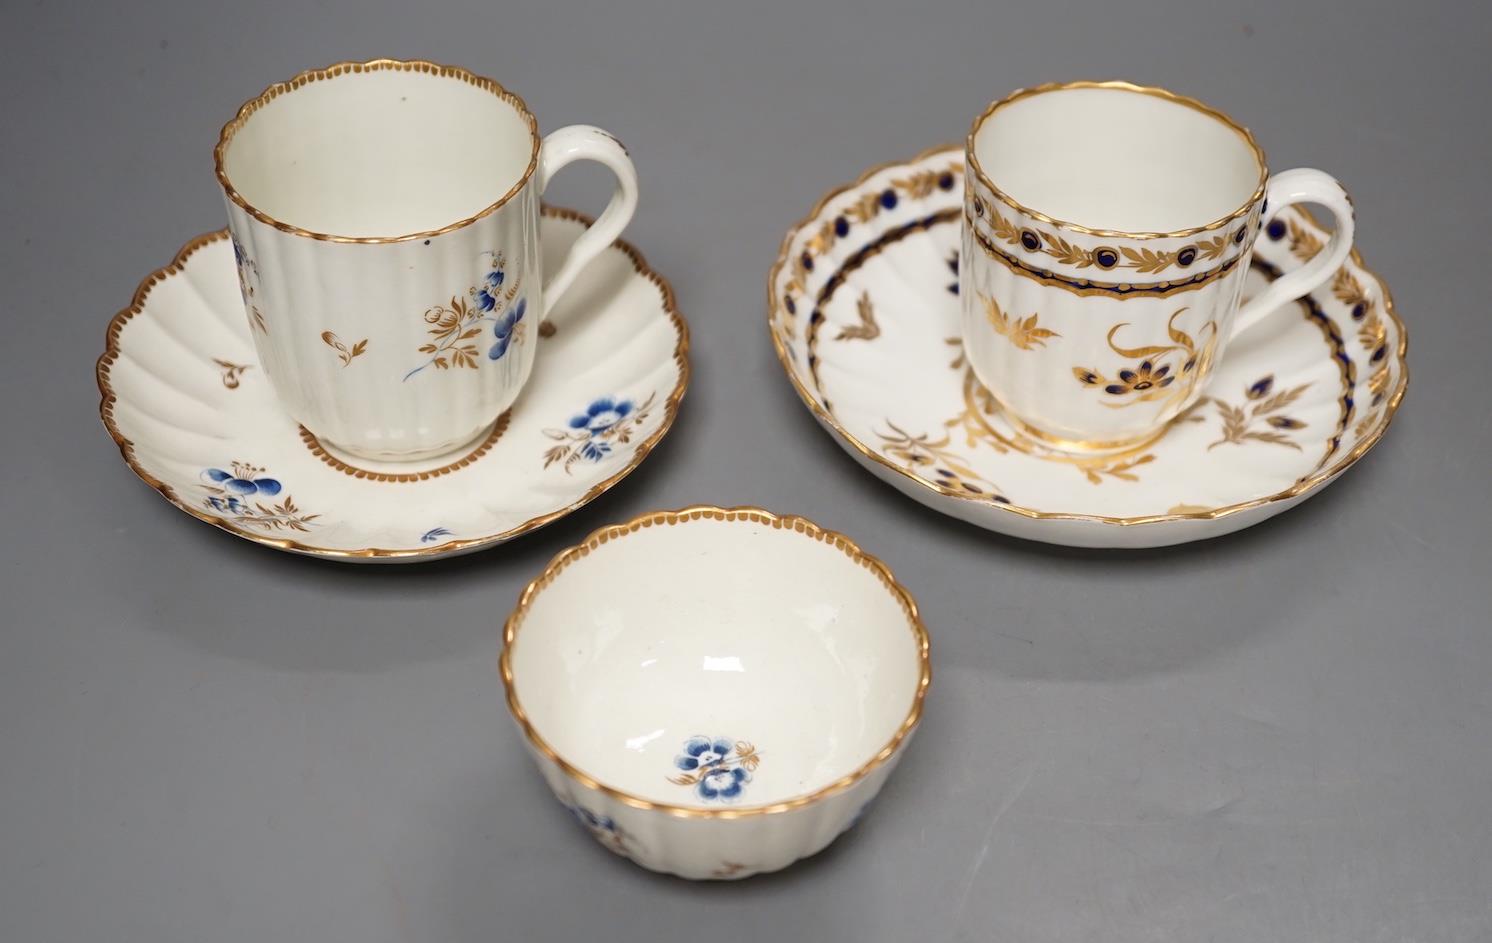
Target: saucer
[
  {"x": 185, "y": 398},
  {"x": 863, "y": 310}
]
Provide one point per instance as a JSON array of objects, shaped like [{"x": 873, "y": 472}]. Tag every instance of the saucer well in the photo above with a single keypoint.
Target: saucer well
[
  {"x": 188, "y": 404},
  {"x": 863, "y": 310}
]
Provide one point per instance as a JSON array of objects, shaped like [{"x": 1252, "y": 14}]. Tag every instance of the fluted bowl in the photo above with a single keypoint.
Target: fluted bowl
[{"x": 715, "y": 692}]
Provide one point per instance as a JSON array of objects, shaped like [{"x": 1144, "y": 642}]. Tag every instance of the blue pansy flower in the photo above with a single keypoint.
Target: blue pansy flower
[
  {"x": 702, "y": 753},
  {"x": 720, "y": 783},
  {"x": 602, "y": 415},
  {"x": 506, "y": 328},
  {"x": 244, "y": 486}
]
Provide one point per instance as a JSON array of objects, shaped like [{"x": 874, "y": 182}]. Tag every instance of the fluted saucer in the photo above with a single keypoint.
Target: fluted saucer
[{"x": 187, "y": 402}]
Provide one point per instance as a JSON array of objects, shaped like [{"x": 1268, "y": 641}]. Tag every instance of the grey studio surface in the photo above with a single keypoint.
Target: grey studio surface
[{"x": 1285, "y": 734}]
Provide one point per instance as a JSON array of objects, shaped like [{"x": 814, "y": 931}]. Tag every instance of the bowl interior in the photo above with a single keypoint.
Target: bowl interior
[{"x": 714, "y": 663}]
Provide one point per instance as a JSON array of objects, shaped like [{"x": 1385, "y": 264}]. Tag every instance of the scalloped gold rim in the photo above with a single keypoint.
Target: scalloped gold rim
[
  {"x": 972, "y": 158},
  {"x": 776, "y": 313},
  {"x": 748, "y": 514},
  {"x": 339, "y": 69},
  {"x": 645, "y": 447}
]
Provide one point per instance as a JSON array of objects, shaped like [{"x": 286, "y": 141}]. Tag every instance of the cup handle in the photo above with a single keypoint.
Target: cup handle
[
  {"x": 584, "y": 142},
  {"x": 1302, "y": 185}
]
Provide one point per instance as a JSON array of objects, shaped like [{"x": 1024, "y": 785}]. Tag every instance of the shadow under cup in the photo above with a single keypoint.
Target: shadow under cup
[
  {"x": 1121, "y": 219},
  {"x": 367, "y": 201}
]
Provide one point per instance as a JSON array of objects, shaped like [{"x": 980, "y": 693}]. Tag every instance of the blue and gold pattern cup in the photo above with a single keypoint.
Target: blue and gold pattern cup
[
  {"x": 1107, "y": 231},
  {"x": 385, "y": 222}
]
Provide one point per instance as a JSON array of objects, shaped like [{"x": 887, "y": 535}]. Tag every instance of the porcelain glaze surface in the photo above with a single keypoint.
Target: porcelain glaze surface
[
  {"x": 385, "y": 225},
  {"x": 716, "y": 692},
  {"x": 1095, "y": 338},
  {"x": 186, "y": 398},
  {"x": 864, "y": 310}
]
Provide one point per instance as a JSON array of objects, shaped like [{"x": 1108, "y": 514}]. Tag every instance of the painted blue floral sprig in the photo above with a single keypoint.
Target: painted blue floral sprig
[
  {"x": 455, "y": 326},
  {"x": 229, "y": 494},
  {"x": 603, "y": 828},
  {"x": 717, "y": 768},
  {"x": 592, "y": 435}
]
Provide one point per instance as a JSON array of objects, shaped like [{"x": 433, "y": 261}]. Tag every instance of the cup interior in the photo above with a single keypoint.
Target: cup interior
[
  {"x": 1128, "y": 159},
  {"x": 663, "y": 660},
  {"x": 383, "y": 150}
]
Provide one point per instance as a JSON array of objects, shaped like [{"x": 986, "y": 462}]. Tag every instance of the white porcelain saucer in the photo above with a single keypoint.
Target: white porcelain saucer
[
  {"x": 863, "y": 310},
  {"x": 187, "y": 402}
]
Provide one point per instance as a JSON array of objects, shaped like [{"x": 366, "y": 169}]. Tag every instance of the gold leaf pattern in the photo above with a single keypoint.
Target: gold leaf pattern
[
  {"x": 1349, "y": 291},
  {"x": 1374, "y": 333},
  {"x": 1025, "y": 335},
  {"x": 1143, "y": 260},
  {"x": 1148, "y": 261},
  {"x": 956, "y": 342},
  {"x": 867, "y": 329},
  {"x": 1366, "y": 424},
  {"x": 344, "y": 353},
  {"x": 1304, "y": 244},
  {"x": 868, "y": 206},
  {"x": 232, "y": 372},
  {"x": 1122, "y": 469},
  {"x": 946, "y": 466},
  {"x": 1211, "y": 249},
  {"x": 1378, "y": 384},
  {"x": 920, "y": 185},
  {"x": 1241, "y": 423}
]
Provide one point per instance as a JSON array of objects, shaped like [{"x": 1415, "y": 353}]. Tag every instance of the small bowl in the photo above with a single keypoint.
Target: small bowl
[{"x": 716, "y": 692}]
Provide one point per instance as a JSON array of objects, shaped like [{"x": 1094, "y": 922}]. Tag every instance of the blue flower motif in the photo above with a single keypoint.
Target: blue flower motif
[
  {"x": 602, "y": 415},
  {"x": 722, "y": 783},
  {"x": 244, "y": 486},
  {"x": 485, "y": 299},
  {"x": 495, "y": 278},
  {"x": 717, "y": 768},
  {"x": 702, "y": 753},
  {"x": 506, "y": 328},
  {"x": 591, "y": 820}
]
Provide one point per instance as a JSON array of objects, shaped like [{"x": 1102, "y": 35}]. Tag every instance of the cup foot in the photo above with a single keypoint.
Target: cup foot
[
  {"x": 1088, "y": 446},
  {"x": 421, "y": 463}
]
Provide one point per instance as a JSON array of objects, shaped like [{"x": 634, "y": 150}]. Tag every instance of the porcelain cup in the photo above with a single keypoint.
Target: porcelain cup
[
  {"x": 1107, "y": 231},
  {"x": 385, "y": 223},
  {"x": 715, "y": 692}
]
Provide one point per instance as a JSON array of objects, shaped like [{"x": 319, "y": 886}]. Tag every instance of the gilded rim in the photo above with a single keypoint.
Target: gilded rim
[
  {"x": 973, "y": 159},
  {"x": 776, "y": 313},
  {"x": 127, "y": 449},
  {"x": 247, "y": 109},
  {"x": 748, "y": 514}
]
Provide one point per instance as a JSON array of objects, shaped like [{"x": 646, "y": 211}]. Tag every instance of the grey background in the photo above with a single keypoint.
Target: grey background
[{"x": 1281, "y": 735}]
